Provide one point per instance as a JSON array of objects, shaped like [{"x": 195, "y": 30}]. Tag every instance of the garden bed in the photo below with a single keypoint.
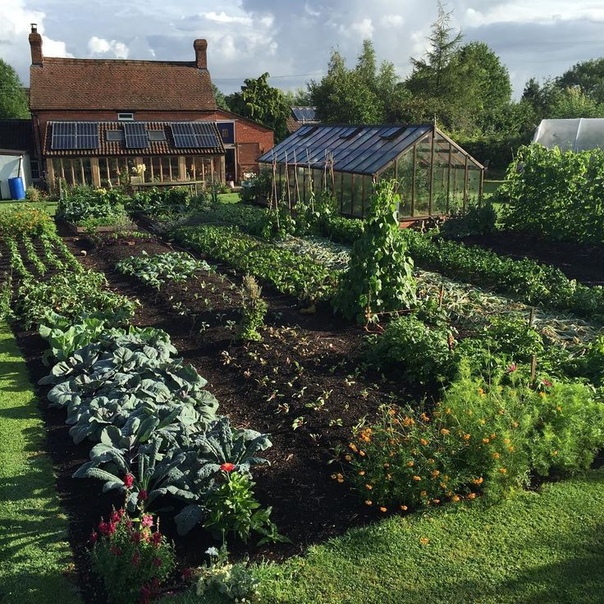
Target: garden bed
[{"x": 300, "y": 384}]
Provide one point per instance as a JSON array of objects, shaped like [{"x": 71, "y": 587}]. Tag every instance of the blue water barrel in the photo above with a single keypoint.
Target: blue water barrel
[{"x": 17, "y": 189}]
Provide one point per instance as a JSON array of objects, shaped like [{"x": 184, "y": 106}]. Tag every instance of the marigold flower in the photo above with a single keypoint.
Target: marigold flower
[
  {"x": 445, "y": 431},
  {"x": 424, "y": 540},
  {"x": 424, "y": 417},
  {"x": 423, "y": 441},
  {"x": 368, "y": 502},
  {"x": 227, "y": 466},
  {"x": 423, "y": 493},
  {"x": 362, "y": 453},
  {"x": 404, "y": 508},
  {"x": 495, "y": 455},
  {"x": 383, "y": 509},
  {"x": 503, "y": 470},
  {"x": 369, "y": 487},
  {"x": 410, "y": 464},
  {"x": 352, "y": 447},
  {"x": 486, "y": 441},
  {"x": 466, "y": 436},
  {"x": 417, "y": 478},
  {"x": 348, "y": 457},
  {"x": 471, "y": 495},
  {"x": 455, "y": 498},
  {"x": 435, "y": 473},
  {"x": 361, "y": 472}
]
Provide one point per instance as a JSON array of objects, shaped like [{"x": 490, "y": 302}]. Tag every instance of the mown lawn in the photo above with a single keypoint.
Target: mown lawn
[
  {"x": 536, "y": 548},
  {"x": 34, "y": 554}
]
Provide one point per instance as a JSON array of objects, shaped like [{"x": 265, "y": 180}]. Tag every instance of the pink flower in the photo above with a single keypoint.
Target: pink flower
[
  {"x": 227, "y": 466},
  {"x": 142, "y": 495},
  {"x": 94, "y": 537},
  {"x": 106, "y": 528},
  {"x": 147, "y": 521},
  {"x": 512, "y": 368},
  {"x": 156, "y": 539},
  {"x": 128, "y": 481}
]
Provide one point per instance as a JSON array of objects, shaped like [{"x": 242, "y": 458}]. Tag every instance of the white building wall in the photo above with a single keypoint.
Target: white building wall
[{"x": 12, "y": 165}]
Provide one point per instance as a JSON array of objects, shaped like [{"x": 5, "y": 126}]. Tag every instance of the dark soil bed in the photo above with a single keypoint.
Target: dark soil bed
[{"x": 300, "y": 385}]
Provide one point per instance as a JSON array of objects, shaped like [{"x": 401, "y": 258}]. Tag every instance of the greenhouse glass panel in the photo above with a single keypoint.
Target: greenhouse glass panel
[{"x": 346, "y": 193}]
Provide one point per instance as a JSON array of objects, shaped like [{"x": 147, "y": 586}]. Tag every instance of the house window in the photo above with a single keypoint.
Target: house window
[
  {"x": 125, "y": 117},
  {"x": 157, "y": 135},
  {"x": 114, "y": 135}
]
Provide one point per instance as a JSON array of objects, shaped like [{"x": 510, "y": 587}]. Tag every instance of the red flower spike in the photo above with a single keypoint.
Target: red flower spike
[
  {"x": 128, "y": 481},
  {"x": 227, "y": 466}
]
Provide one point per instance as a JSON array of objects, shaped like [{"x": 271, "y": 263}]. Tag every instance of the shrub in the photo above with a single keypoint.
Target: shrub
[
  {"x": 485, "y": 437},
  {"x": 478, "y": 220},
  {"x": 419, "y": 354}
]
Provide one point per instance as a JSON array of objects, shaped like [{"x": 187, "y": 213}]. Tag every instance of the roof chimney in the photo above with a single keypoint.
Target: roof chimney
[
  {"x": 201, "y": 57},
  {"x": 35, "y": 42}
]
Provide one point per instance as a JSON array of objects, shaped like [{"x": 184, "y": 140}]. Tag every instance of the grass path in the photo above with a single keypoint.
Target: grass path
[
  {"x": 532, "y": 549},
  {"x": 34, "y": 554}
]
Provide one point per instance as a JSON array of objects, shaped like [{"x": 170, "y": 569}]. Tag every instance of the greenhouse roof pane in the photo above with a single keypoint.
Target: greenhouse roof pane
[{"x": 360, "y": 150}]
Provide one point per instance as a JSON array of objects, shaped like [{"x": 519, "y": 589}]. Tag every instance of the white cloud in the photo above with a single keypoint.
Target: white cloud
[
  {"x": 363, "y": 28},
  {"x": 222, "y": 17},
  {"x": 392, "y": 21},
  {"x": 100, "y": 46}
]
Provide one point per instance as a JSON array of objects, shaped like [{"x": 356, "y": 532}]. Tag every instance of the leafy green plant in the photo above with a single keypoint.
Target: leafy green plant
[
  {"x": 253, "y": 310},
  {"x": 131, "y": 556},
  {"x": 158, "y": 269},
  {"x": 290, "y": 273},
  {"x": 69, "y": 295},
  {"x": 82, "y": 203},
  {"x": 234, "y": 510},
  {"x": 24, "y": 220},
  {"x": 419, "y": 354},
  {"x": 477, "y": 220},
  {"x": 526, "y": 280},
  {"x": 237, "y": 582},
  {"x": 65, "y": 336},
  {"x": 555, "y": 194},
  {"x": 380, "y": 273}
]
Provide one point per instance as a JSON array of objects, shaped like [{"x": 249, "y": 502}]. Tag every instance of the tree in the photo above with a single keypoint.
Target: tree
[
  {"x": 220, "y": 98},
  {"x": 362, "y": 95},
  {"x": 465, "y": 88},
  {"x": 262, "y": 103},
  {"x": 13, "y": 98},
  {"x": 588, "y": 76},
  {"x": 431, "y": 76}
]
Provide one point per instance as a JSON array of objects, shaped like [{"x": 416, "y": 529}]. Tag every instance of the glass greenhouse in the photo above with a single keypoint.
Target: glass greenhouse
[
  {"x": 579, "y": 134},
  {"x": 435, "y": 175}
]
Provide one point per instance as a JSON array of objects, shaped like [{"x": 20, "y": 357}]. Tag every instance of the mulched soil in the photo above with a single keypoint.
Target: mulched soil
[{"x": 300, "y": 385}]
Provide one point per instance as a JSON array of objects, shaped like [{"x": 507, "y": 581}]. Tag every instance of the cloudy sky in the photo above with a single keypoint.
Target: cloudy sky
[{"x": 292, "y": 40}]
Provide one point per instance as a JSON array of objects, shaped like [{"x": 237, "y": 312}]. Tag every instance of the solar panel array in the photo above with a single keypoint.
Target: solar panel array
[
  {"x": 194, "y": 135},
  {"x": 74, "y": 135},
  {"x": 136, "y": 135},
  {"x": 305, "y": 114}
]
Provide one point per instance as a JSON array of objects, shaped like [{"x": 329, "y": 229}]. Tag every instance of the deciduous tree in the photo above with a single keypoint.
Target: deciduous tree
[{"x": 13, "y": 98}]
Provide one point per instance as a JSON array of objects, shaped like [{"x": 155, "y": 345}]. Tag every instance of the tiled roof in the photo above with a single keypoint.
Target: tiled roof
[
  {"x": 17, "y": 135},
  {"x": 120, "y": 85},
  {"x": 116, "y": 148}
]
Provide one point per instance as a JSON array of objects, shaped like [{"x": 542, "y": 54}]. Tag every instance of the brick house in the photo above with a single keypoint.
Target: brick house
[{"x": 97, "y": 121}]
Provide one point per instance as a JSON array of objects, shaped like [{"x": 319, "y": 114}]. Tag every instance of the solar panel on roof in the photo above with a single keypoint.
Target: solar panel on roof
[
  {"x": 136, "y": 135},
  {"x": 74, "y": 135},
  {"x": 194, "y": 135}
]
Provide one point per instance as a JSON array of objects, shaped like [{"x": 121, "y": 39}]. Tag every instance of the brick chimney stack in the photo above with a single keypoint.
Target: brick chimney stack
[
  {"x": 201, "y": 57},
  {"x": 35, "y": 42}
]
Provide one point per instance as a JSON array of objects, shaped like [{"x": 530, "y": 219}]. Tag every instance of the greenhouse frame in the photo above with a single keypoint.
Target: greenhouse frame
[{"x": 435, "y": 175}]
